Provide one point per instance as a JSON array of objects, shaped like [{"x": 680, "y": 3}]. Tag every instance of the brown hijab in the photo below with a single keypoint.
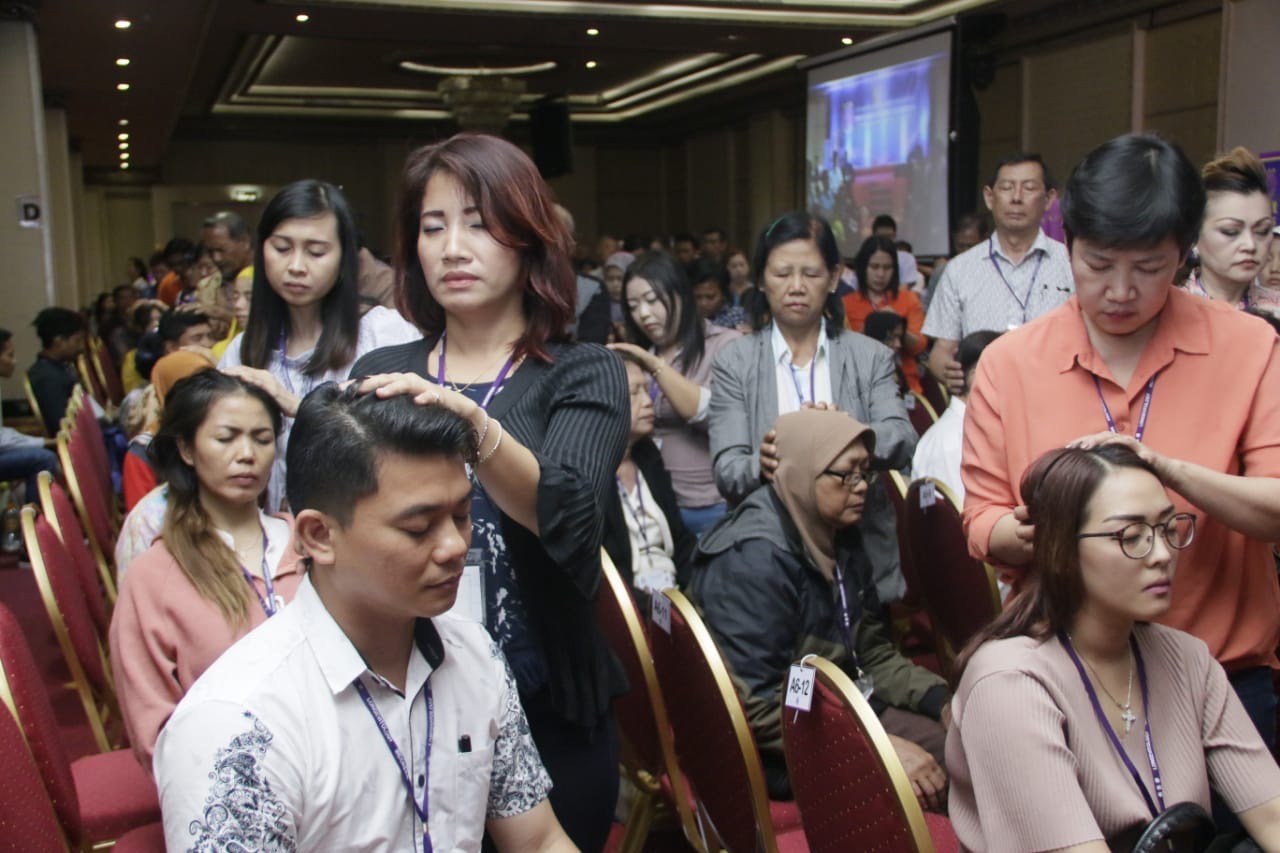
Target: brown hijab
[{"x": 808, "y": 441}]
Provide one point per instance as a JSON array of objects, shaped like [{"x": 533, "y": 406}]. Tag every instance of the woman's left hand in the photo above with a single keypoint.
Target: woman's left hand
[
  {"x": 1144, "y": 452},
  {"x": 649, "y": 362}
]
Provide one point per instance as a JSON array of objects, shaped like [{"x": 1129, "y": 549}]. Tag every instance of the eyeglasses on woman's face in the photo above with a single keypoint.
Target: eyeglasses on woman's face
[
  {"x": 852, "y": 478},
  {"x": 1138, "y": 538}
]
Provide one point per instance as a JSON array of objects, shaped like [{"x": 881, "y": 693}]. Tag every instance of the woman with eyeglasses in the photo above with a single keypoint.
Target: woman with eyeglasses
[
  {"x": 784, "y": 575},
  {"x": 1077, "y": 719}
]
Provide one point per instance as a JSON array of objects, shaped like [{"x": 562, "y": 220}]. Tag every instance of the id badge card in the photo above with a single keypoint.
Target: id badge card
[
  {"x": 470, "y": 601},
  {"x": 865, "y": 683}
]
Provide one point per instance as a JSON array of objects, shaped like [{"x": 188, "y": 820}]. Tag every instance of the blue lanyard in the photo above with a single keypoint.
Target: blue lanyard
[
  {"x": 268, "y": 603},
  {"x": 846, "y": 618},
  {"x": 1111, "y": 733},
  {"x": 1142, "y": 416},
  {"x": 995, "y": 261},
  {"x": 813, "y": 395},
  {"x": 493, "y": 389},
  {"x": 422, "y": 810}
]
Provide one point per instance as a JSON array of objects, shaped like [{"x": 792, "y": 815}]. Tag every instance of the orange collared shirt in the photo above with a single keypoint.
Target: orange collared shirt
[
  {"x": 907, "y": 305},
  {"x": 1216, "y": 403}
]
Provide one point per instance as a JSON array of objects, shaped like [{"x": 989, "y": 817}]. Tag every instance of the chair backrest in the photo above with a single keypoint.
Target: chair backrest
[
  {"x": 852, "y": 790},
  {"x": 91, "y": 383},
  {"x": 959, "y": 591},
  {"x": 28, "y": 823},
  {"x": 86, "y": 428},
  {"x": 95, "y": 516},
  {"x": 34, "y": 403},
  {"x": 713, "y": 742},
  {"x": 897, "y": 490},
  {"x": 922, "y": 414},
  {"x": 72, "y": 625},
  {"x": 934, "y": 391},
  {"x": 25, "y": 693},
  {"x": 648, "y": 747},
  {"x": 104, "y": 366},
  {"x": 61, "y": 514}
]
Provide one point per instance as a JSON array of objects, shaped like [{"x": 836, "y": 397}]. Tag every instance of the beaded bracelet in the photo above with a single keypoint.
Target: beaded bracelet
[
  {"x": 484, "y": 431},
  {"x": 496, "y": 444}
]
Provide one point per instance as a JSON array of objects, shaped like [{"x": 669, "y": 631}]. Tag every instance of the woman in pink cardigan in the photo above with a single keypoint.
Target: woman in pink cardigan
[
  {"x": 1077, "y": 719},
  {"x": 220, "y": 566}
]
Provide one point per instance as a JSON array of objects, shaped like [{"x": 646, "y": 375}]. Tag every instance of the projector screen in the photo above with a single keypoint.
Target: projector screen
[{"x": 876, "y": 141}]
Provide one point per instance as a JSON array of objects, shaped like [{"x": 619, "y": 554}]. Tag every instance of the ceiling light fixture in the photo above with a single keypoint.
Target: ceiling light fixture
[
  {"x": 302, "y": 18},
  {"x": 122, "y": 62},
  {"x": 123, "y": 24},
  {"x": 122, "y": 136},
  {"x": 124, "y": 122},
  {"x": 122, "y": 87},
  {"x": 593, "y": 32},
  {"x": 124, "y": 165},
  {"x": 846, "y": 41},
  {"x": 124, "y": 155},
  {"x": 591, "y": 63},
  {"x": 458, "y": 71},
  {"x": 123, "y": 146}
]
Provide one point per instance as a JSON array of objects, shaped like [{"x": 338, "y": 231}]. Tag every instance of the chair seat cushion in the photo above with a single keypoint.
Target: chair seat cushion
[
  {"x": 148, "y": 839},
  {"x": 793, "y": 841},
  {"x": 785, "y": 814},
  {"x": 116, "y": 794},
  {"x": 942, "y": 833}
]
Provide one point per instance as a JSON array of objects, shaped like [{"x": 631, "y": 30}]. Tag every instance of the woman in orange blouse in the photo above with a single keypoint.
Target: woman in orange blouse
[{"x": 876, "y": 267}]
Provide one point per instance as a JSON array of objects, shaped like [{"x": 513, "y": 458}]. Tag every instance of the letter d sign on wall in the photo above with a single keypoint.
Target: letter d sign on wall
[{"x": 30, "y": 211}]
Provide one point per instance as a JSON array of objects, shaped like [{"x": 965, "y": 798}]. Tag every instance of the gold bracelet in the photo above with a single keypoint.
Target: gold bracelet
[{"x": 496, "y": 444}]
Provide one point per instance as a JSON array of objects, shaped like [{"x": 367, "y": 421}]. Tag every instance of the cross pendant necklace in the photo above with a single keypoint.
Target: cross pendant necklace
[{"x": 1126, "y": 707}]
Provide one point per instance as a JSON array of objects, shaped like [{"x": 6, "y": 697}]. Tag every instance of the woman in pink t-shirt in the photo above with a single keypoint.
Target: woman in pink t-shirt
[{"x": 220, "y": 566}]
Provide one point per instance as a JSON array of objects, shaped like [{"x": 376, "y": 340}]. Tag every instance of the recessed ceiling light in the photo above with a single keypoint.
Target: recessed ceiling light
[
  {"x": 302, "y": 18},
  {"x": 124, "y": 122},
  {"x": 124, "y": 165},
  {"x": 123, "y": 24},
  {"x": 122, "y": 135},
  {"x": 591, "y": 63},
  {"x": 846, "y": 40},
  {"x": 124, "y": 155},
  {"x": 123, "y": 146},
  {"x": 122, "y": 87},
  {"x": 592, "y": 31},
  {"x": 122, "y": 61}
]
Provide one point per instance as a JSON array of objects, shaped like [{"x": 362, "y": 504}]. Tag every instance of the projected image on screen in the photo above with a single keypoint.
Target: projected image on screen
[{"x": 876, "y": 142}]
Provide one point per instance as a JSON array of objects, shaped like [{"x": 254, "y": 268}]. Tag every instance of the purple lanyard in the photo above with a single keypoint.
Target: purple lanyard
[
  {"x": 622, "y": 490},
  {"x": 493, "y": 389},
  {"x": 422, "y": 809},
  {"x": 268, "y": 603},
  {"x": 846, "y": 620},
  {"x": 813, "y": 395},
  {"x": 1142, "y": 416},
  {"x": 995, "y": 262},
  {"x": 1111, "y": 733}
]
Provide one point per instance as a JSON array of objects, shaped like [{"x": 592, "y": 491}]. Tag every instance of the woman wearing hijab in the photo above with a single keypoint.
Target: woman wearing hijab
[{"x": 783, "y": 576}]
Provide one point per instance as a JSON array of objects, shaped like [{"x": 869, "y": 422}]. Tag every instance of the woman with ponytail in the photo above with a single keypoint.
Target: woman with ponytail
[
  {"x": 1076, "y": 719},
  {"x": 220, "y": 567}
]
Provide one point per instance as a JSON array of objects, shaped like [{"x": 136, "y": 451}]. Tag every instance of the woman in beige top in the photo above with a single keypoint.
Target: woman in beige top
[{"x": 1076, "y": 720}]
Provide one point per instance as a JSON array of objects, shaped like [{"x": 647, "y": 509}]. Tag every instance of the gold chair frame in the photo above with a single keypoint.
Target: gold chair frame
[
  {"x": 44, "y": 481},
  {"x": 99, "y": 710},
  {"x": 34, "y": 403},
  {"x": 650, "y": 802},
  {"x": 105, "y": 569},
  {"x": 923, "y": 402}
]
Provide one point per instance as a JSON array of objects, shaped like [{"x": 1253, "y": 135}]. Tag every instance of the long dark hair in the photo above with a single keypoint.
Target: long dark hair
[
  {"x": 340, "y": 308},
  {"x": 517, "y": 207},
  {"x": 671, "y": 286},
  {"x": 1056, "y": 490},
  {"x": 188, "y": 533},
  {"x": 797, "y": 225},
  {"x": 869, "y": 247}
]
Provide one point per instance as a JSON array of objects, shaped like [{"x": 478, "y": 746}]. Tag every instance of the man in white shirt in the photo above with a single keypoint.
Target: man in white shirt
[
  {"x": 1009, "y": 279},
  {"x": 362, "y": 716},
  {"x": 940, "y": 448}
]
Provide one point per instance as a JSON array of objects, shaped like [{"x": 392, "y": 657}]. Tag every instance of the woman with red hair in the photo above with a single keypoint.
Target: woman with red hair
[{"x": 483, "y": 267}]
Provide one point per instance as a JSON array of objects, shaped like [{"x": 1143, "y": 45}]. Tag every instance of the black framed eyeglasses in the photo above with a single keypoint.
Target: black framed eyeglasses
[
  {"x": 852, "y": 478},
  {"x": 1138, "y": 538}
]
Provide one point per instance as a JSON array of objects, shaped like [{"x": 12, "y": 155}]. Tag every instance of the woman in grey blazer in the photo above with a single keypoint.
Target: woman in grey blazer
[{"x": 801, "y": 355}]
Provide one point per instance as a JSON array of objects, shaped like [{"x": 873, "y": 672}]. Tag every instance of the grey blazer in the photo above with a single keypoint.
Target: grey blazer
[{"x": 744, "y": 406}]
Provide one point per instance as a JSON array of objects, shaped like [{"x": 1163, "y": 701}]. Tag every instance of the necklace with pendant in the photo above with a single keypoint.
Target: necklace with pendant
[{"x": 1126, "y": 707}]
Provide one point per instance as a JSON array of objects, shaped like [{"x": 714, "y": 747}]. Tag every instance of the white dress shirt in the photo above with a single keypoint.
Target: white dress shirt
[
  {"x": 804, "y": 384},
  {"x": 938, "y": 453}
]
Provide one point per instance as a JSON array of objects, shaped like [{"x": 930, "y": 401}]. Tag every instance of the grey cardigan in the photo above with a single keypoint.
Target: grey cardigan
[{"x": 744, "y": 406}]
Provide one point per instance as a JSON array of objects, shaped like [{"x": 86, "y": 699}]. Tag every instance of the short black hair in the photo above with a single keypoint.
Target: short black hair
[
  {"x": 708, "y": 231},
  {"x": 340, "y": 435},
  {"x": 237, "y": 228},
  {"x": 150, "y": 350},
  {"x": 5, "y": 334},
  {"x": 178, "y": 246},
  {"x": 884, "y": 220},
  {"x": 55, "y": 322},
  {"x": 1023, "y": 157},
  {"x": 684, "y": 237},
  {"x": 880, "y": 324},
  {"x": 971, "y": 347},
  {"x": 174, "y": 323},
  {"x": 1134, "y": 191}
]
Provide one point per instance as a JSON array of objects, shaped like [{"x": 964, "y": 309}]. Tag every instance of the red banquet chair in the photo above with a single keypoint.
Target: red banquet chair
[
  {"x": 714, "y": 745},
  {"x": 850, "y": 786},
  {"x": 28, "y": 823},
  {"x": 57, "y": 509},
  {"x": 98, "y": 797},
  {"x": 105, "y": 369},
  {"x": 912, "y": 629},
  {"x": 648, "y": 753},
  {"x": 59, "y": 585},
  {"x": 83, "y": 483},
  {"x": 959, "y": 591},
  {"x": 920, "y": 412},
  {"x": 935, "y": 392}
]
